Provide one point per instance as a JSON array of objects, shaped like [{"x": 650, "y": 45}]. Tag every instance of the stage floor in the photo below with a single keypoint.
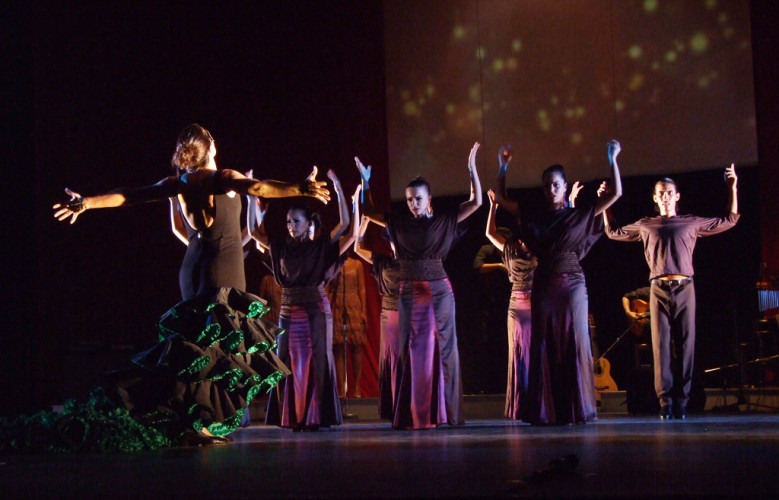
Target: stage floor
[{"x": 626, "y": 456}]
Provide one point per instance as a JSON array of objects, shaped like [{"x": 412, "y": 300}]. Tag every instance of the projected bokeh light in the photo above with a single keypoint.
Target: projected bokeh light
[{"x": 556, "y": 80}]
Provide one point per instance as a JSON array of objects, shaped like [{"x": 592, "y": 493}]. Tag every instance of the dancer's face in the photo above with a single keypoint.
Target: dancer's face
[
  {"x": 666, "y": 197},
  {"x": 297, "y": 224},
  {"x": 418, "y": 200},
  {"x": 555, "y": 188}
]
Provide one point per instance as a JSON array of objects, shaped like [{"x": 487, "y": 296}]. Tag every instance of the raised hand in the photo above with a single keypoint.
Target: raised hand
[
  {"x": 577, "y": 186},
  {"x": 71, "y": 209},
  {"x": 356, "y": 198},
  {"x": 314, "y": 188},
  {"x": 504, "y": 157},
  {"x": 365, "y": 172},
  {"x": 614, "y": 149},
  {"x": 603, "y": 189},
  {"x": 491, "y": 196},
  {"x": 472, "y": 157},
  {"x": 731, "y": 179}
]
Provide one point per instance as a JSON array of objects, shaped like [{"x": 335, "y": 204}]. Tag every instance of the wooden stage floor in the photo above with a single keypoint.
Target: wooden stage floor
[{"x": 709, "y": 454}]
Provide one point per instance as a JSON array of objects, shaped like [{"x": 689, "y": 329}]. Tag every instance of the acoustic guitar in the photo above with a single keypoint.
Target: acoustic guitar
[
  {"x": 640, "y": 307},
  {"x": 602, "y": 367}
]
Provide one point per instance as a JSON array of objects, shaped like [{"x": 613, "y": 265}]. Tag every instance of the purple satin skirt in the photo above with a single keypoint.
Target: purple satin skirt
[
  {"x": 519, "y": 353},
  {"x": 428, "y": 388},
  {"x": 309, "y": 397},
  {"x": 388, "y": 353},
  {"x": 561, "y": 383}
]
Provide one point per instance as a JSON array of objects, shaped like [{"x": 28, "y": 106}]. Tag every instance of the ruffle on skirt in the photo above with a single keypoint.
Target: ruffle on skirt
[{"x": 216, "y": 353}]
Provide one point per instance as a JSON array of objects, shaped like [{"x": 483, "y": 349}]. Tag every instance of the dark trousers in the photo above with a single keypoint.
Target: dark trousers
[{"x": 672, "y": 318}]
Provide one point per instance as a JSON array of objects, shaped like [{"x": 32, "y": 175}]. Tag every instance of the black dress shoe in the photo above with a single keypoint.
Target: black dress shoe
[
  {"x": 680, "y": 413},
  {"x": 666, "y": 413}
]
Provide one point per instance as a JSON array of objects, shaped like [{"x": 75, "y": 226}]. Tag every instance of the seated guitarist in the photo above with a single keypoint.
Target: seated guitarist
[{"x": 636, "y": 306}]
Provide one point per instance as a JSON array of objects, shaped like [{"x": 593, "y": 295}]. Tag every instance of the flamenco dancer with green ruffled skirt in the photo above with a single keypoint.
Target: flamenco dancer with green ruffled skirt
[{"x": 216, "y": 352}]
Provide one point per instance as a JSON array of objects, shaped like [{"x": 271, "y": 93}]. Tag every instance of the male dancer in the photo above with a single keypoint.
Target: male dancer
[{"x": 669, "y": 240}]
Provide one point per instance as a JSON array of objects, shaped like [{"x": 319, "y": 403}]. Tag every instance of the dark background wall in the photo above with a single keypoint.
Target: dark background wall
[{"x": 96, "y": 93}]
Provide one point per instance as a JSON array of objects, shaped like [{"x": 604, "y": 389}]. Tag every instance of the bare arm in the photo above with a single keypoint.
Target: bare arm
[
  {"x": 577, "y": 186},
  {"x": 613, "y": 194},
  {"x": 626, "y": 306},
  {"x": 343, "y": 209},
  {"x": 176, "y": 221},
  {"x": 346, "y": 241},
  {"x": 474, "y": 202},
  {"x": 732, "y": 180},
  {"x": 236, "y": 181},
  {"x": 362, "y": 252},
  {"x": 492, "y": 231},
  {"x": 78, "y": 204},
  {"x": 368, "y": 209},
  {"x": 504, "y": 158}
]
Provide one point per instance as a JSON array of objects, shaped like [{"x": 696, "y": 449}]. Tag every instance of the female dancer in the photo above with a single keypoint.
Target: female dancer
[
  {"x": 428, "y": 384},
  {"x": 560, "y": 383},
  {"x": 216, "y": 354},
  {"x": 386, "y": 271},
  {"x": 302, "y": 266},
  {"x": 519, "y": 263}
]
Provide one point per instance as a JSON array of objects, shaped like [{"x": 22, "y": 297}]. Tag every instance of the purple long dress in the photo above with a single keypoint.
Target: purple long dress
[
  {"x": 428, "y": 385},
  {"x": 386, "y": 271},
  {"x": 307, "y": 399},
  {"x": 561, "y": 384},
  {"x": 520, "y": 264}
]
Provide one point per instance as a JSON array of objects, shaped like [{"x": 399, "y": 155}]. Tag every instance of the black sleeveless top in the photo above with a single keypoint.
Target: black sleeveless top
[{"x": 214, "y": 257}]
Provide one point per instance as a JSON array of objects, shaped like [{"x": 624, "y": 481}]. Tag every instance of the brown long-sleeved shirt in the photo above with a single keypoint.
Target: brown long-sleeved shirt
[{"x": 670, "y": 241}]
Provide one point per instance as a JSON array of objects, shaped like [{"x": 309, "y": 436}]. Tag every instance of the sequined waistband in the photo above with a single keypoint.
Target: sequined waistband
[
  {"x": 422, "y": 270},
  {"x": 297, "y": 295},
  {"x": 561, "y": 263}
]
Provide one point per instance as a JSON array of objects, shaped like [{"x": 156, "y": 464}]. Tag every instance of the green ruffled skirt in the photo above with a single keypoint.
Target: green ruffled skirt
[{"x": 215, "y": 354}]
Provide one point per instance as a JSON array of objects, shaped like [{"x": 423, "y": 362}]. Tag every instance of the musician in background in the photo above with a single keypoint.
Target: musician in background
[{"x": 636, "y": 306}]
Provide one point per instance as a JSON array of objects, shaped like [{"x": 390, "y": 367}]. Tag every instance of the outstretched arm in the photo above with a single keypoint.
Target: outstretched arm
[
  {"x": 176, "y": 222},
  {"x": 343, "y": 209},
  {"x": 236, "y": 181},
  {"x": 368, "y": 209},
  {"x": 78, "y": 204},
  {"x": 474, "y": 202},
  {"x": 608, "y": 198},
  {"x": 504, "y": 158},
  {"x": 492, "y": 231}
]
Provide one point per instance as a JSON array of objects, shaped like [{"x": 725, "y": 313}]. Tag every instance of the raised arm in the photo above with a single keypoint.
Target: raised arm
[
  {"x": 347, "y": 240},
  {"x": 78, "y": 204},
  {"x": 732, "y": 180},
  {"x": 615, "y": 189},
  {"x": 474, "y": 202},
  {"x": 176, "y": 221},
  {"x": 504, "y": 158},
  {"x": 577, "y": 186},
  {"x": 255, "y": 218},
  {"x": 343, "y": 209},
  {"x": 361, "y": 251},
  {"x": 492, "y": 231},
  {"x": 368, "y": 209}
]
